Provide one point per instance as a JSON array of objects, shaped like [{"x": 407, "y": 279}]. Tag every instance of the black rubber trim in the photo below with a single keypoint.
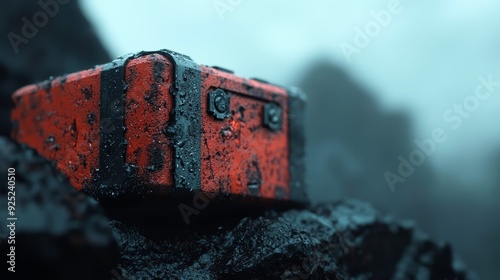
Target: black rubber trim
[
  {"x": 296, "y": 126},
  {"x": 110, "y": 178},
  {"x": 223, "y": 69},
  {"x": 187, "y": 121},
  {"x": 185, "y": 129}
]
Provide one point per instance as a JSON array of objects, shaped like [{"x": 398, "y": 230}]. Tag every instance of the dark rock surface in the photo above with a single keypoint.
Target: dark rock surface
[
  {"x": 345, "y": 240},
  {"x": 60, "y": 233},
  {"x": 63, "y": 234}
]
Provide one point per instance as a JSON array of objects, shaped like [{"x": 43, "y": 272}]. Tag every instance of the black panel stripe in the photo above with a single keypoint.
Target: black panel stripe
[
  {"x": 186, "y": 129},
  {"x": 110, "y": 177},
  {"x": 296, "y": 138}
]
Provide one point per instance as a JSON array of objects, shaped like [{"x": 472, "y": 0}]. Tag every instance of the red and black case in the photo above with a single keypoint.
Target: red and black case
[{"x": 156, "y": 123}]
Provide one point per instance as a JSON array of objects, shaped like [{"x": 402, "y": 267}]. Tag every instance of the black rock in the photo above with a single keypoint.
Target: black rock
[
  {"x": 346, "y": 240},
  {"x": 60, "y": 233}
]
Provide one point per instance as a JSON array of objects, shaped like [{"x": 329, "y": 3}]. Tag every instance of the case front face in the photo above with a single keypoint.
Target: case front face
[{"x": 156, "y": 123}]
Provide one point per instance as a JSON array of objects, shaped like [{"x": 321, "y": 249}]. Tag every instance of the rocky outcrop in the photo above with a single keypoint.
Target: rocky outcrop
[
  {"x": 59, "y": 232},
  {"x": 344, "y": 240},
  {"x": 65, "y": 234}
]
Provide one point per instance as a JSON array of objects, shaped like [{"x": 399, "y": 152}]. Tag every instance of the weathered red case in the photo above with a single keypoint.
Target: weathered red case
[{"x": 155, "y": 123}]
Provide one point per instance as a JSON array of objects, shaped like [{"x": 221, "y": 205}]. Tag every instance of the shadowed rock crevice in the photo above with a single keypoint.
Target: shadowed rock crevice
[{"x": 343, "y": 240}]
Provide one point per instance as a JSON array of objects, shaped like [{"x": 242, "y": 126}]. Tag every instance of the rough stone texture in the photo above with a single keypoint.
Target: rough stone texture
[
  {"x": 346, "y": 240},
  {"x": 60, "y": 233},
  {"x": 63, "y": 234}
]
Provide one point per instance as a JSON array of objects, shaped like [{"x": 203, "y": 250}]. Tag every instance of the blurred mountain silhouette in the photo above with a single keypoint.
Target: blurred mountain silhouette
[{"x": 352, "y": 142}]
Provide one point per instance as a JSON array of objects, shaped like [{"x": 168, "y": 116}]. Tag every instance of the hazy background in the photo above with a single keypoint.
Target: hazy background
[
  {"x": 364, "y": 112},
  {"x": 424, "y": 61}
]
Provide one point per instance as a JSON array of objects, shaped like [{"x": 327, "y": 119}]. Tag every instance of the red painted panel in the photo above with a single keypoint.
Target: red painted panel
[
  {"x": 239, "y": 154},
  {"x": 148, "y": 104},
  {"x": 60, "y": 119}
]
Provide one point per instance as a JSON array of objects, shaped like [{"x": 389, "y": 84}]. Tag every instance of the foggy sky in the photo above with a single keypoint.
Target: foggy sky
[{"x": 427, "y": 58}]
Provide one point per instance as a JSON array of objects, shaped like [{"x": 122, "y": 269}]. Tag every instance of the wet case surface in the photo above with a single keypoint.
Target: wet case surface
[{"x": 156, "y": 122}]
